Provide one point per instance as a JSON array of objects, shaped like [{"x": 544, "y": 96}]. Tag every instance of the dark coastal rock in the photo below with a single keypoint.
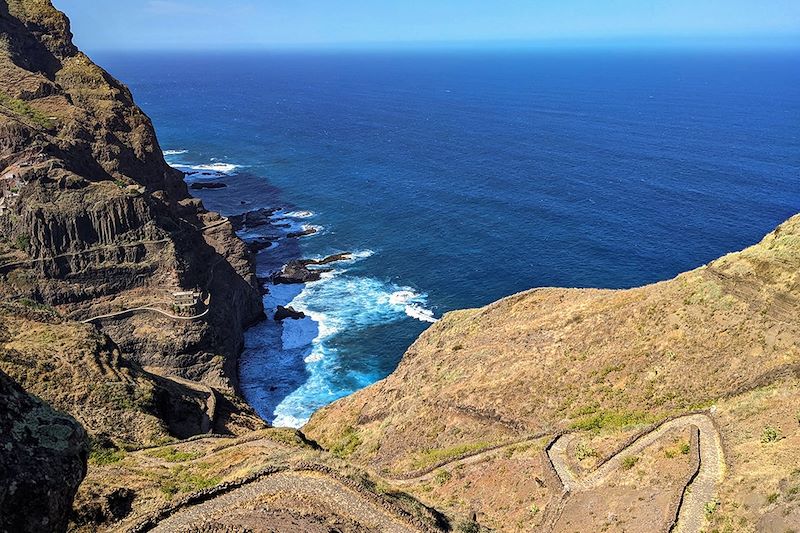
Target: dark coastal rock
[
  {"x": 200, "y": 185},
  {"x": 252, "y": 219},
  {"x": 303, "y": 233},
  {"x": 43, "y": 457},
  {"x": 297, "y": 271},
  {"x": 282, "y": 313},
  {"x": 344, "y": 256},
  {"x": 258, "y": 244}
]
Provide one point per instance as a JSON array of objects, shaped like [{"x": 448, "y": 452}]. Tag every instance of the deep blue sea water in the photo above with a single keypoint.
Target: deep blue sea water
[{"x": 463, "y": 177}]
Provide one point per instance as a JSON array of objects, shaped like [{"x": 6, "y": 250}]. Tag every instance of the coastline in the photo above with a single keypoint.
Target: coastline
[{"x": 290, "y": 366}]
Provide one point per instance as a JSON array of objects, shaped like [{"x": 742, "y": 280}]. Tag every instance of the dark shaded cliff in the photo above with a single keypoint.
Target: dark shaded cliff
[
  {"x": 93, "y": 220},
  {"x": 42, "y": 461}
]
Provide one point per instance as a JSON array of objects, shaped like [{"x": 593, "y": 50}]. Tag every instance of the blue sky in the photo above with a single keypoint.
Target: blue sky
[{"x": 207, "y": 24}]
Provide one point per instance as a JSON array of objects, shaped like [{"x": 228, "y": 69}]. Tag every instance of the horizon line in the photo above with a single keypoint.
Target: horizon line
[{"x": 741, "y": 42}]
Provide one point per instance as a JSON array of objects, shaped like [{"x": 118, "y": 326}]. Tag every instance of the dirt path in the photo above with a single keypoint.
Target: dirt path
[
  {"x": 703, "y": 489},
  {"x": 146, "y": 308},
  {"x": 473, "y": 458},
  {"x": 300, "y": 485}
]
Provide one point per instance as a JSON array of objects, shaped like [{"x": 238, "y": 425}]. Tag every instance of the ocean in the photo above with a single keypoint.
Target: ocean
[{"x": 460, "y": 177}]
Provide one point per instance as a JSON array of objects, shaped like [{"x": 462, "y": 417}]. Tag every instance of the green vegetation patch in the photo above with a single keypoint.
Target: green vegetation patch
[
  {"x": 347, "y": 444},
  {"x": 770, "y": 434},
  {"x": 105, "y": 456},
  {"x": 629, "y": 462},
  {"x": 181, "y": 479},
  {"x": 23, "y": 109},
  {"x": 440, "y": 455},
  {"x": 442, "y": 476},
  {"x": 172, "y": 455},
  {"x": 612, "y": 420},
  {"x": 584, "y": 451},
  {"x": 22, "y": 243}
]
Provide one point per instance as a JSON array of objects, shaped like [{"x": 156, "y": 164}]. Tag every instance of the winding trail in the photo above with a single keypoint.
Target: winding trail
[
  {"x": 146, "y": 308},
  {"x": 701, "y": 490},
  {"x": 246, "y": 500},
  {"x": 84, "y": 252}
]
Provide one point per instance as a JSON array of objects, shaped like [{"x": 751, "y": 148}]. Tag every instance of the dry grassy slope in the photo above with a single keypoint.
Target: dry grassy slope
[{"x": 551, "y": 359}]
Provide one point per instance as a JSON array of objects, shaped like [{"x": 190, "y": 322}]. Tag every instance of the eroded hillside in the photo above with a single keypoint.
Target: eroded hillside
[{"x": 603, "y": 364}]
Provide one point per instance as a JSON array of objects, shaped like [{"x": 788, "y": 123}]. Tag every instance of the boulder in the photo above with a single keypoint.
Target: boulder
[
  {"x": 282, "y": 313},
  {"x": 257, "y": 244},
  {"x": 43, "y": 456},
  {"x": 296, "y": 271}
]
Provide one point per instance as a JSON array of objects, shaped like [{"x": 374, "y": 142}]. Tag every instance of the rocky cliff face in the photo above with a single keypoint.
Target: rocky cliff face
[
  {"x": 92, "y": 219},
  {"x": 42, "y": 461}
]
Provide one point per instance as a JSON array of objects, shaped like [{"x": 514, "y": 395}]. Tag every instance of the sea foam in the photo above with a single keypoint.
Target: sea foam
[
  {"x": 221, "y": 168},
  {"x": 339, "y": 302}
]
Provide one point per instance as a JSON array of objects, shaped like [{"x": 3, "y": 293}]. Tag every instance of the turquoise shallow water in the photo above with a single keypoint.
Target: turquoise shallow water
[{"x": 464, "y": 177}]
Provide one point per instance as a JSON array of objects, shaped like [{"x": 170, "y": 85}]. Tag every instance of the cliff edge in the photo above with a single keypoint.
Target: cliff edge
[{"x": 94, "y": 222}]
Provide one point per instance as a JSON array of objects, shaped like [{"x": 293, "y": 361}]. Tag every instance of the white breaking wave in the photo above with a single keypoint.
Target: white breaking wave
[
  {"x": 401, "y": 297},
  {"x": 299, "y": 214},
  {"x": 222, "y": 168},
  {"x": 362, "y": 254},
  {"x": 175, "y": 152},
  {"x": 299, "y": 332},
  {"x": 337, "y": 303},
  {"x": 282, "y": 214},
  {"x": 412, "y": 305},
  {"x": 420, "y": 313},
  {"x": 288, "y": 421}
]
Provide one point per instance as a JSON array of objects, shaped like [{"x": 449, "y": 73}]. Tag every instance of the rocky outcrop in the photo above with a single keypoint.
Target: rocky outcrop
[
  {"x": 252, "y": 219},
  {"x": 305, "y": 232},
  {"x": 42, "y": 461},
  {"x": 297, "y": 271},
  {"x": 282, "y": 313},
  {"x": 93, "y": 220}
]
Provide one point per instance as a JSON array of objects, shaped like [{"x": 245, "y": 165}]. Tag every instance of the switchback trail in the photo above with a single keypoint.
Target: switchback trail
[{"x": 701, "y": 490}]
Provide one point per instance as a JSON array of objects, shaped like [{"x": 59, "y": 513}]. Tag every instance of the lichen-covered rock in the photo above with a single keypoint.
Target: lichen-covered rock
[{"x": 43, "y": 457}]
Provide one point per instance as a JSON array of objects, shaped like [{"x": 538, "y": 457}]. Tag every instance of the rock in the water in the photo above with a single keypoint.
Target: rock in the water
[
  {"x": 43, "y": 457},
  {"x": 296, "y": 271},
  {"x": 282, "y": 313},
  {"x": 344, "y": 256},
  {"x": 199, "y": 185},
  {"x": 252, "y": 219},
  {"x": 304, "y": 232},
  {"x": 258, "y": 244}
]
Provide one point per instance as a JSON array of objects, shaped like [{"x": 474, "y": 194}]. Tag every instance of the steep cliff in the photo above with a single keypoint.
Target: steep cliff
[
  {"x": 92, "y": 219},
  {"x": 42, "y": 461}
]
